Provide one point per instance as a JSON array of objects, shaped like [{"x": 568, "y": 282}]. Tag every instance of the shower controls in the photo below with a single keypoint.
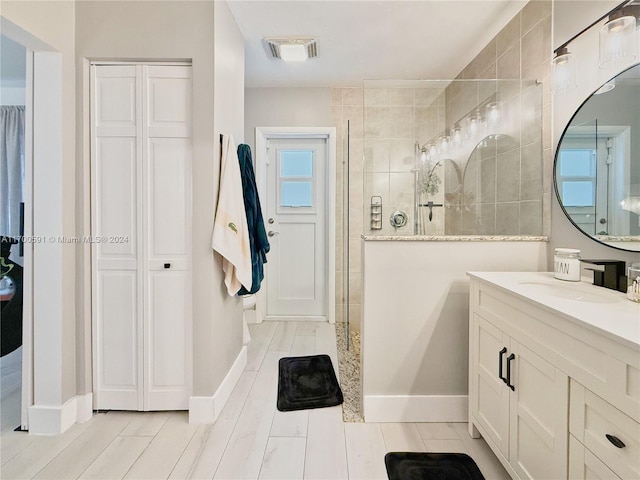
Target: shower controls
[
  {"x": 376, "y": 212},
  {"x": 398, "y": 219}
]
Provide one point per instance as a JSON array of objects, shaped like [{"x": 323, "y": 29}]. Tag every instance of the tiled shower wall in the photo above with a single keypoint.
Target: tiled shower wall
[
  {"x": 395, "y": 117},
  {"x": 522, "y": 50},
  {"x": 517, "y": 179}
]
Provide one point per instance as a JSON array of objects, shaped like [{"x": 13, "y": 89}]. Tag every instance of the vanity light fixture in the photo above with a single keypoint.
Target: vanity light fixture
[
  {"x": 564, "y": 71},
  {"x": 292, "y": 49},
  {"x": 631, "y": 203},
  {"x": 444, "y": 141},
  {"x": 423, "y": 154},
  {"x": 473, "y": 125},
  {"x": 618, "y": 39},
  {"x": 456, "y": 136},
  {"x": 493, "y": 114}
]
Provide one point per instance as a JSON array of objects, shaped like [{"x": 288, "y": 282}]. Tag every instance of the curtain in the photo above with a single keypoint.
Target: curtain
[{"x": 11, "y": 168}]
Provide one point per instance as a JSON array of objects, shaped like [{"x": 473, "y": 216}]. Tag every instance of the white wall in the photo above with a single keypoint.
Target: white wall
[
  {"x": 589, "y": 78},
  {"x": 572, "y": 16},
  {"x": 228, "y": 119},
  {"x": 205, "y": 33},
  {"x": 416, "y": 311},
  {"x": 285, "y": 107},
  {"x": 49, "y": 26}
]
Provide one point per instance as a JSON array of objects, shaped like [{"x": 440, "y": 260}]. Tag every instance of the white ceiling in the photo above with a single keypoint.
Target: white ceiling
[{"x": 366, "y": 39}]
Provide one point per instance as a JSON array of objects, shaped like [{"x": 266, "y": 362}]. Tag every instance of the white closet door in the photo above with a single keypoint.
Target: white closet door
[
  {"x": 117, "y": 212},
  {"x": 141, "y": 176},
  {"x": 167, "y": 192}
]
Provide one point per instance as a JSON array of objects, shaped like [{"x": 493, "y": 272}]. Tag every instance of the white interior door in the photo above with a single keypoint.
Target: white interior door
[
  {"x": 167, "y": 220},
  {"x": 141, "y": 229},
  {"x": 296, "y": 224}
]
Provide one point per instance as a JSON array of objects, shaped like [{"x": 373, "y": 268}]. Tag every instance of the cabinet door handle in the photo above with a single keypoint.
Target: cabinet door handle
[
  {"x": 502, "y": 352},
  {"x": 508, "y": 382},
  {"x": 616, "y": 441}
]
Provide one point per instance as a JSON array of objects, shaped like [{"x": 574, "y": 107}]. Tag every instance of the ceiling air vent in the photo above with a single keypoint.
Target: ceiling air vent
[{"x": 292, "y": 49}]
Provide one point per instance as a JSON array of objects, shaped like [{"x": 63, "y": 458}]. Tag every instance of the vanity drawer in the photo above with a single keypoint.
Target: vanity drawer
[
  {"x": 584, "y": 465},
  {"x": 592, "y": 419}
]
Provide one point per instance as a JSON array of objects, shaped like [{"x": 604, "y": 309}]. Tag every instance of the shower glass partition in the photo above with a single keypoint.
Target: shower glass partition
[{"x": 452, "y": 157}]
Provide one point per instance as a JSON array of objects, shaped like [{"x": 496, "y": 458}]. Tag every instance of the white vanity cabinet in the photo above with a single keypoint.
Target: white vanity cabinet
[
  {"x": 554, "y": 396},
  {"x": 521, "y": 403}
]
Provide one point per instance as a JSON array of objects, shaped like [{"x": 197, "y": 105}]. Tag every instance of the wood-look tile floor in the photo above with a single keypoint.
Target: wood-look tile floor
[{"x": 250, "y": 440}]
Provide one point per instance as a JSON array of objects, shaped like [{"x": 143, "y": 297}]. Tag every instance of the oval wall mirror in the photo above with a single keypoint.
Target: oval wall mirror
[{"x": 597, "y": 164}]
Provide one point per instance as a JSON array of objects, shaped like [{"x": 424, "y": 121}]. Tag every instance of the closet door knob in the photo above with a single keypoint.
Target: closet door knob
[{"x": 272, "y": 233}]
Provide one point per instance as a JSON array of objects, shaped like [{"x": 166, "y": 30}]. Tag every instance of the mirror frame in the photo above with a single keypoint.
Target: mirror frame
[{"x": 555, "y": 166}]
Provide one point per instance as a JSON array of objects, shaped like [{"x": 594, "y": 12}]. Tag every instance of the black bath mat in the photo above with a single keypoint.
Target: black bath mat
[
  {"x": 431, "y": 466},
  {"x": 307, "y": 382}
]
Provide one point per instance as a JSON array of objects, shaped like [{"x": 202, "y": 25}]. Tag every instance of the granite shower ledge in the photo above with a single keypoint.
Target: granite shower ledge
[
  {"x": 618, "y": 238},
  {"x": 454, "y": 238}
]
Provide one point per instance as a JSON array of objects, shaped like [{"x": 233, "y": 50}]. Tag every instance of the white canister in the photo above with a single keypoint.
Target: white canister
[{"x": 566, "y": 264}]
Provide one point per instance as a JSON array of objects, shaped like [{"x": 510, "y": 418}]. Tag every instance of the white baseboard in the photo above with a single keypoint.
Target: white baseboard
[
  {"x": 415, "y": 408},
  {"x": 53, "y": 420},
  {"x": 207, "y": 409},
  {"x": 84, "y": 407}
]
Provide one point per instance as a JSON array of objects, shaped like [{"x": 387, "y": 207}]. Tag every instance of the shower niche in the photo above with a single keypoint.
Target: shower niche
[{"x": 460, "y": 157}]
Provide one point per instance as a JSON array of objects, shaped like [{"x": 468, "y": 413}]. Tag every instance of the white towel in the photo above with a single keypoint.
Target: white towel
[{"x": 230, "y": 233}]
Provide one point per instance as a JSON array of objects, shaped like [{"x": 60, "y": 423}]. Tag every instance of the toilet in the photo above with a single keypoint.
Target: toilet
[
  {"x": 248, "y": 316},
  {"x": 249, "y": 308}
]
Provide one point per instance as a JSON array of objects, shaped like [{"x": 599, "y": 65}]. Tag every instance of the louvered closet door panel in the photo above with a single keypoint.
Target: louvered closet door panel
[
  {"x": 116, "y": 247},
  {"x": 167, "y": 166}
]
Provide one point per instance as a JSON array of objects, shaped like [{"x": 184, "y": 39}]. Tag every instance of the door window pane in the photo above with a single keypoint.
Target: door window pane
[
  {"x": 296, "y": 194},
  {"x": 296, "y": 163},
  {"x": 577, "y": 162},
  {"x": 577, "y": 194}
]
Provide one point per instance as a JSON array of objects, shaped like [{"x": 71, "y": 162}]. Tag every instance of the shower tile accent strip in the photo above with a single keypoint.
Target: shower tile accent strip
[{"x": 455, "y": 238}]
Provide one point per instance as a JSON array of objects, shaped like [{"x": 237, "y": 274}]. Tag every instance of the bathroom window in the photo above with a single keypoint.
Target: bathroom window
[
  {"x": 577, "y": 180},
  {"x": 296, "y": 179}
]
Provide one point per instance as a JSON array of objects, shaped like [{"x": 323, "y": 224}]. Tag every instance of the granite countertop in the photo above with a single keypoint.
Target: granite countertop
[
  {"x": 618, "y": 238},
  {"x": 600, "y": 309},
  {"x": 455, "y": 238}
]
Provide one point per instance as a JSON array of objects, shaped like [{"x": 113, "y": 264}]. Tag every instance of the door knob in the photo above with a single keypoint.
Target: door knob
[
  {"x": 271, "y": 233},
  {"x": 271, "y": 220}
]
